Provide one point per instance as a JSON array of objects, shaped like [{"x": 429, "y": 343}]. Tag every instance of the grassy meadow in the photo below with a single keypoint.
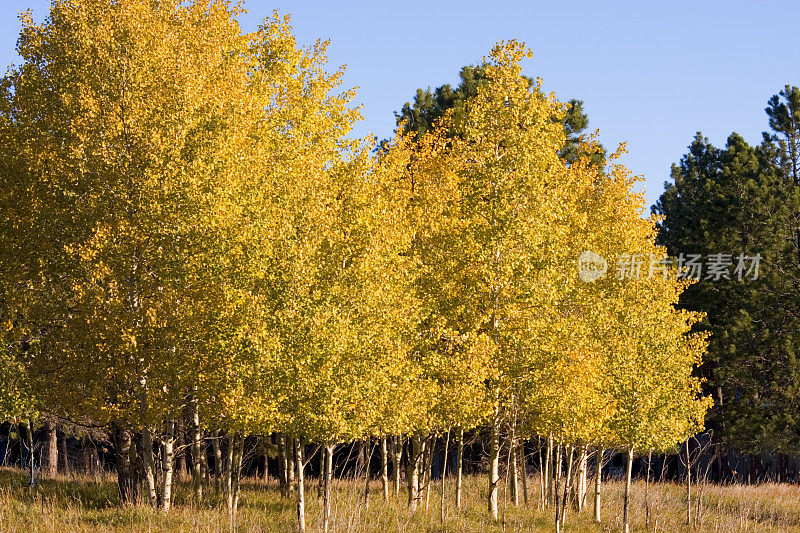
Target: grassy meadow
[{"x": 82, "y": 503}]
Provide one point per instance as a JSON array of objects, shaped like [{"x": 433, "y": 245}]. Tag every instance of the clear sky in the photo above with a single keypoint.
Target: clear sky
[{"x": 650, "y": 73}]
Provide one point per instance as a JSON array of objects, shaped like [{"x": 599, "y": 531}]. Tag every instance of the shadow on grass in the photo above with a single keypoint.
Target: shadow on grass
[{"x": 87, "y": 492}]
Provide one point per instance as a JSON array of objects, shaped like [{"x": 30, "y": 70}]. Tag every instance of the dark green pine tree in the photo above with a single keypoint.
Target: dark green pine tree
[
  {"x": 783, "y": 110},
  {"x": 734, "y": 200},
  {"x": 429, "y": 105}
]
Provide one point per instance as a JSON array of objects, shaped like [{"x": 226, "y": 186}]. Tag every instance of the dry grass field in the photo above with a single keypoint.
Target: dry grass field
[{"x": 90, "y": 504}]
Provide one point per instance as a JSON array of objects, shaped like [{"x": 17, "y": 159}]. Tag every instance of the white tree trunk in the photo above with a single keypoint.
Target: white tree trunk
[
  {"x": 385, "y": 468},
  {"x": 149, "y": 466},
  {"x": 494, "y": 467},
  {"x": 627, "y": 500},
  {"x": 228, "y": 485},
  {"x": 647, "y": 491},
  {"x": 548, "y": 472},
  {"x": 238, "y": 452},
  {"x": 582, "y": 485},
  {"x": 459, "y": 465},
  {"x": 398, "y": 456},
  {"x": 513, "y": 468},
  {"x": 567, "y": 483},
  {"x": 444, "y": 471},
  {"x": 598, "y": 480},
  {"x": 688, "y": 485},
  {"x": 430, "y": 448},
  {"x": 523, "y": 470},
  {"x": 557, "y": 480},
  {"x": 218, "y": 467},
  {"x": 414, "y": 460},
  {"x": 197, "y": 469},
  {"x": 327, "y": 481},
  {"x": 301, "y": 502},
  {"x": 167, "y": 466}
]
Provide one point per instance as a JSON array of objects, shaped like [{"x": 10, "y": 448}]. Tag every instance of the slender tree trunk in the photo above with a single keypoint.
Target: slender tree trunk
[
  {"x": 414, "y": 459},
  {"x": 328, "y": 480},
  {"x": 367, "y": 477},
  {"x": 431, "y": 449},
  {"x": 582, "y": 488},
  {"x": 290, "y": 466},
  {"x": 301, "y": 503},
  {"x": 218, "y": 470},
  {"x": 688, "y": 485},
  {"x": 91, "y": 460},
  {"x": 398, "y": 456},
  {"x": 31, "y": 446},
  {"x": 228, "y": 485},
  {"x": 548, "y": 471},
  {"x": 627, "y": 499},
  {"x": 494, "y": 466},
  {"x": 87, "y": 456},
  {"x": 444, "y": 471},
  {"x": 542, "y": 473},
  {"x": 647, "y": 491},
  {"x": 321, "y": 480},
  {"x": 567, "y": 483},
  {"x": 198, "y": 451},
  {"x": 167, "y": 466},
  {"x": 385, "y": 468},
  {"x": 424, "y": 464},
  {"x": 459, "y": 465},
  {"x": 283, "y": 465},
  {"x": 51, "y": 466},
  {"x": 598, "y": 480},
  {"x": 361, "y": 459},
  {"x": 238, "y": 453},
  {"x": 558, "y": 470},
  {"x": 523, "y": 470},
  {"x": 512, "y": 466},
  {"x": 556, "y": 487},
  {"x": 205, "y": 471},
  {"x": 149, "y": 466},
  {"x": 180, "y": 449}
]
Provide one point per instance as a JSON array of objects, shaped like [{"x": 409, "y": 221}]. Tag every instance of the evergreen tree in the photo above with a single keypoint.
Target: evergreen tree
[{"x": 742, "y": 200}]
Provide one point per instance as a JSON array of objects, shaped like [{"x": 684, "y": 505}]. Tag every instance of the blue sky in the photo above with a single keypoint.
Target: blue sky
[{"x": 650, "y": 73}]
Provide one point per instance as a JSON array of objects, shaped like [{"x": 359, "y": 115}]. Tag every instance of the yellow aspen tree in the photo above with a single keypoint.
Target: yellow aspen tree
[
  {"x": 497, "y": 252},
  {"x": 320, "y": 350},
  {"x": 133, "y": 130},
  {"x": 650, "y": 351}
]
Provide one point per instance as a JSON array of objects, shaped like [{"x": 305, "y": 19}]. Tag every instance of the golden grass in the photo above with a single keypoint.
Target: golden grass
[{"x": 78, "y": 504}]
